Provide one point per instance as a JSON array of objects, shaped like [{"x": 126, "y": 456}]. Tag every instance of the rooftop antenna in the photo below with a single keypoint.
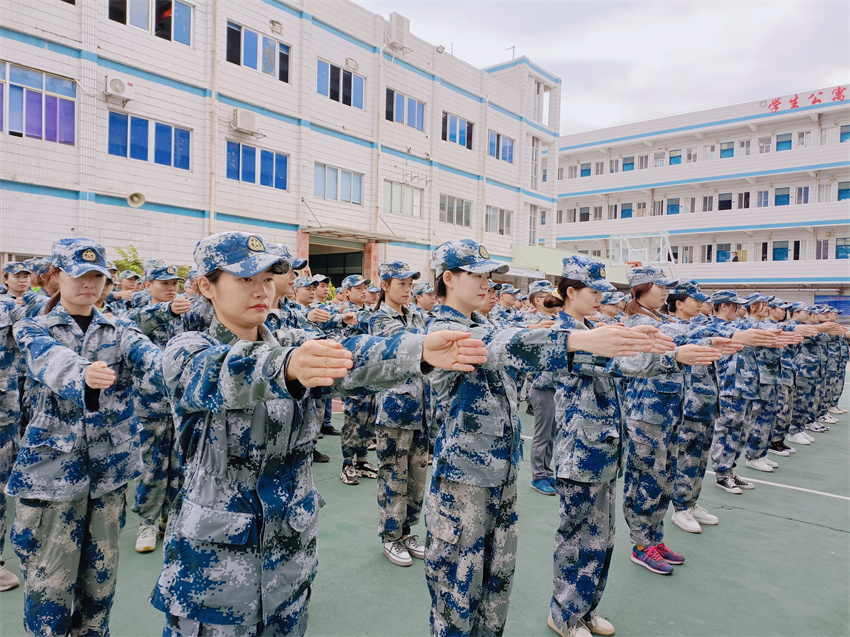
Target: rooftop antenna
[{"x": 512, "y": 49}]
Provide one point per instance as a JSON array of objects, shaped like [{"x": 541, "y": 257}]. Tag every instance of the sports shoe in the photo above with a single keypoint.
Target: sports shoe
[
  {"x": 671, "y": 557},
  {"x": 348, "y": 474},
  {"x": 411, "y": 543},
  {"x": 372, "y": 445},
  {"x": 747, "y": 486},
  {"x": 8, "y": 580},
  {"x": 599, "y": 625},
  {"x": 365, "y": 470},
  {"x": 576, "y": 630},
  {"x": 542, "y": 486},
  {"x": 651, "y": 559},
  {"x": 770, "y": 462},
  {"x": 729, "y": 485},
  {"x": 777, "y": 448},
  {"x": 759, "y": 465},
  {"x": 829, "y": 420},
  {"x": 790, "y": 450},
  {"x": 836, "y": 410},
  {"x": 704, "y": 517},
  {"x": 816, "y": 427},
  {"x": 799, "y": 439},
  {"x": 330, "y": 430},
  {"x": 685, "y": 521},
  {"x": 161, "y": 526},
  {"x": 529, "y": 410},
  {"x": 552, "y": 481},
  {"x": 318, "y": 456},
  {"x": 397, "y": 554},
  {"x": 146, "y": 539},
  {"x": 808, "y": 437}
]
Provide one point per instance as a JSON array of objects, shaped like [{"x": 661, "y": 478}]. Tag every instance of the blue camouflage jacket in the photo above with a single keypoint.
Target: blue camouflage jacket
[
  {"x": 504, "y": 317},
  {"x": 10, "y": 374}
]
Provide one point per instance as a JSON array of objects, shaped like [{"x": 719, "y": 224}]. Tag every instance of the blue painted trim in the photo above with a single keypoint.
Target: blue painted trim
[
  {"x": 35, "y": 189},
  {"x": 588, "y": 237},
  {"x": 497, "y": 257},
  {"x": 505, "y": 111},
  {"x": 286, "y": 8},
  {"x": 458, "y": 171},
  {"x": 763, "y": 226},
  {"x": 109, "y": 200},
  {"x": 529, "y": 193},
  {"x": 412, "y": 246},
  {"x": 679, "y": 182},
  {"x": 224, "y": 99},
  {"x": 499, "y": 184},
  {"x": 680, "y": 129},
  {"x": 403, "y": 155},
  {"x": 153, "y": 77},
  {"x": 343, "y": 136},
  {"x": 263, "y": 223},
  {"x": 25, "y": 38},
  {"x": 410, "y": 67},
  {"x": 343, "y": 35},
  {"x": 524, "y": 60},
  {"x": 458, "y": 89},
  {"x": 539, "y": 127}
]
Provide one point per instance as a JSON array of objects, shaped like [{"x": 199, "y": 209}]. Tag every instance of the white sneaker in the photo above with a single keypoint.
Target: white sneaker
[
  {"x": 799, "y": 439},
  {"x": 829, "y": 420},
  {"x": 146, "y": 539},
  {"x": 599, "y": 625},
  {"x": 397, "y": 553},
  {"x": 8, "y": 580},
  {"x": 835, "y": 410},
  {"x": 759, "y": 465},
  {"x": 577, "y": 630},
  {"x": 808, "y": 437},
  {"x": 704, "y": 517},
  {"x": 770, "y": 462},
  {"x": 685, "y": 521},
  {"x": 411, "y": 543}
]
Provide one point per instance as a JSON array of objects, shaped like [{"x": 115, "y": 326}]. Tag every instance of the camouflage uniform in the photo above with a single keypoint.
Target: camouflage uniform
[{"x": 73, "y": 463}]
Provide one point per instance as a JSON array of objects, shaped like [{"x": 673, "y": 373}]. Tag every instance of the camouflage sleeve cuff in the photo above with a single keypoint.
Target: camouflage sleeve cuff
[{"x": 294, "y": 387}]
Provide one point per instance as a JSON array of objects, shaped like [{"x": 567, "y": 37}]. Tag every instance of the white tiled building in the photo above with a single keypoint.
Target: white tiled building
[{"x": 320, "y": 125}]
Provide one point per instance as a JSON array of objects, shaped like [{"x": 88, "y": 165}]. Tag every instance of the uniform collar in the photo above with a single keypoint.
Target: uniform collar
[
  {"x": 60, "y": 316},
  {"x": 445, "y": 311}
]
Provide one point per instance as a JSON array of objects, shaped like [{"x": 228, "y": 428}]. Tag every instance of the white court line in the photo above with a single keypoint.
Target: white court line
[{"x": 773, "y": 484}]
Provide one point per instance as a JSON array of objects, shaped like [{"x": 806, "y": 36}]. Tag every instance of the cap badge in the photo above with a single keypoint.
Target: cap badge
[
  {"x": 483, "y": 252},
  {"x": 171, "y": 269},
  {"x": 406, "y": 268},
  {"x": 255, "y": 244},
  {"x": 602, "y": 272},
  {"x": 89, "y": 255}
]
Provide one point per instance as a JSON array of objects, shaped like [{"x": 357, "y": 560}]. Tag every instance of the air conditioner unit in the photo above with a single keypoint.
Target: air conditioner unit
[
  {"x": 117, "y": 86},
  {"x": 244, "y": 121},
  {"x": 399, "y": 28}
]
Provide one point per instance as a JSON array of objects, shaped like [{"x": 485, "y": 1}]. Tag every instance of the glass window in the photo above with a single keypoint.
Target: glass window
[
  {"x": 673, "y": 206},
  {"x": 782, "y": 197},
  {"x": 182, "y": 23},
  {"x": 783, "y": 142},
  {"x": 266, "y": 168},
  {"x": 626, "y": 211},
  {"x": 331, "y": 183},
  {"x": 281, "y": 167},
  {"x": 585, "y": 170},
  {"x": 182, "y": 141},
  {"x": 319, "y": 180},
  {"x": 727, "y": 149},
  {"x": 118, "y": 130},
  {"x": 234, "y": 43},
  {"x": 842, "y": 248},
  {"x": 764, "y": 145},
  {"x": 162, "y": 143},
  {"x": 249, "y": 49},
  {"x": 322, "y": 78},
  {"x": 675, "y": 157},
  {"x": 724, "y": 201},
  {"x": 724, "y": 252},
  {"x": 233, "y": 160},
  {"x": 843, "y": 190},
  {"x": 139, "y": 138},
  {"x": 844, "y": 135},
  {"x": 584, "y": 213},
  {"x": 628, "y": 163},
  {"x": 780, "y": 250},
  {"x": 249, "y": 164},
  {"x": 763, "y": 198}
]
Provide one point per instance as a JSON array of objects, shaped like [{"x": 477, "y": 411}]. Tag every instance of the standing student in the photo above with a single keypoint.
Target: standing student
[
  {"x": 80, "y": 447},
  {"x": 240, "y": 554},
  {"x": 423, "y": 296},
  {"x": 401, "y": 426},
  {"x": 17, "y": 277},
  {"x": 470, "y": 508}
]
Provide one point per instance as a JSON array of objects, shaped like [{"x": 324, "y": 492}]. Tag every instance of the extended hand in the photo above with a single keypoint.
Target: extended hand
[
  {"x": 541, "y": 325},
  {"x": 318, "y": 315},
  {"x": 99, "y": 376},
  {"x": 697, "y": 355},
  {"x": 610, "y": 341},
  {"x": 180, "y": 305},
  {"x": 726, "y": 345},
  {"x": 453, "y": 350},
  {"x": 661, "y": 343},
  {"x": 318, "y": 363},
  {"x": 349, "y": 318}
]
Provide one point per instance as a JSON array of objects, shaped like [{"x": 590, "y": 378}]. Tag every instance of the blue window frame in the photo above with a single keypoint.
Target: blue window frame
[
  {"x": 628, "y": 164},
  {"x": 323, "y": 74},
  {"x": 727, "y": 149},
  {"x": 844, "y": 134},
  {"x": 783, "y": 142},
  {"x": 780, "y": 250},
  {"x": 585, "y": 170},
  {"x": 131, "y": 137},
  {"x": 40, "y": 106},
  {"x": 782, "y": 197},
  {"x": 118, "y": 129},
  {"x": 673, "y": 206},
  {"x": 242, "y": 165},
  {"x": 843, "y": 190},
  {"x": 626, "y": 211},
  {"x": 842, "y": 248},
  {"x": 675, "y": 157}
]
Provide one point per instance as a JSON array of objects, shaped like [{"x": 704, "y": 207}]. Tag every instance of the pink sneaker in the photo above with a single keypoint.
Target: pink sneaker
[{"x": 671, "y": 557}]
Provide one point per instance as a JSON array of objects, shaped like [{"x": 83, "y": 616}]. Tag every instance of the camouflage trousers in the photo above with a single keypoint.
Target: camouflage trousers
[
  {"x": 290, "y": 619},
  {"x": 358, "y": 427},
  {"x": 470, "y": 556},
  {"x": 784, "y": 413},
  {"x": 694, "y": 444},
  {"x": 69, "y": 560},
  {"x": 729, "y": 429},
  {"x": 8, "y": 452},
  {"x": 760, "y": 428},
  {"x": 648, "y": 481},
  {"x": 160, "y": 480},
  {"x": 584, "y": 543},
  {"x": 830, "y": 388},
  {"x": 402, "y": 470},
  {"x": 805, "y": 402},
  {"x": 838, "y": 387}
]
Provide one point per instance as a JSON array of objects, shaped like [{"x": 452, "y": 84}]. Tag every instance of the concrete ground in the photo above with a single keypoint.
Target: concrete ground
[{"x": 777, "y": 564}]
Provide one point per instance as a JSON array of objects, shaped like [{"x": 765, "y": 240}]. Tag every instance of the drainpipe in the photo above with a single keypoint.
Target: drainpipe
[
  {"x": 213, "y": 116},
  {"x": 484, "y": 148},
  {"x": 379, "y": 190}
]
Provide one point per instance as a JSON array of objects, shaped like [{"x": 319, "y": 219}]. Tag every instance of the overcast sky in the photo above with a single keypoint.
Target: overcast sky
[{"x": 626, "y": 61}]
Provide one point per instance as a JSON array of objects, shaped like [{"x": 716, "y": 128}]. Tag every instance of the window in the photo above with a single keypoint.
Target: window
[
  {"x": 405, "y": 110},
  {"x": 628, "y": 163},
  {"x": 724, "y": 201},
  {"x": 626, "y": 211},
  {"x": 643, "y": 162},
  {"x": 559, "y": 216},
  {"x": 545, "y": 175},
  {"x": 740, "y": 253},
  {"x": 674, "y": 253},
  {"x": 336, "y": 184},
  {"x": 781, "y": 196},
  {"x": 708, "y": 203},
  {"x": 821, "y": 249},
  {"x": 250, "y": 49},
  {"x": 764, "y": 145},
  {"x": 692, "y": 155},
  {"x": 780, "y": 250},
  {"x": 724, "y": 252},
  {"x": 844, "y": 136},
  {"x": 658, "y": 159},
  {"x": 339, "y": 84},
  {"x": 802, "y": 194},
  {"x": 584, "y": 213},
  {"x": 764, "y": 251},
  {"x": 133, "y": 137},
  {"x": 843, "y": 190},
  {"x": 541, "y": 102},
  {"x": 455, "y": 210},
  {"x": 571, "y": 215},
  {"x": 744, "y": 147},
  {"x": 657, "y": 208},
  {"x": 256, "y": 165},
  {"x": 561, "y": 173},
  {"x": 532, "y": 225},
  {"x": 40, "y": 106},
  {"x": 842, "y": 248},
  {"x": 542, "y": 217},
  {"x": 497, "y": 220},
  {"x": 727, "y": 149},
  {"x": 641, "y": 209},
  {"x": 743, "y": 200},
  {"x": 572, "y": 172},
  {"x": 783, "y": 142},
  {"x": 675, "y": 157},
  {"x": 612, "y": 211},
  {"x": 804, "y": 139},
  {"x": 706, "y": 253},
  {"x": 691, "y": 204},
  {"x": 535, "y": 162},
  {"x": 614, "y": 166},
  {"x": 172, "y": 20},
  {"x": 687, "y": 254},
  {"x": 825, "y": 136},
  {"x": 402, "y": 199},
  {"x": 824, "y": 192},
  {"x": 763, "y": 198},
  {"x": 710, "y": 151},
  {"x": 599, "y": 168},
  {"x": 457, "y": 130},
  {"x": 585, "y": 170},
  {"x": 502, "y": 148},
  {"x": 797, "y": 250},
  {"x": 673, "y": 206},
  {"x": 597, "y": 213}
]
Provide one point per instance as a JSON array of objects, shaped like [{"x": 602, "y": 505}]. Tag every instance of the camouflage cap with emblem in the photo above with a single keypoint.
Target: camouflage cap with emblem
[
  {"x": 354, "y": 280},
  {"x": 423, "y": 288},
  {"x": 163, "y": 272},
  {"x": 75, "y": 257},
  {"x": 16, "y": 267},
  {"x": 587, "y": 270},
  {"x": 281, "y": 250},
  {"x": 237, "y": 253},
  {"x": 467, "y": 255},
  {"x": 396, "y": 270},
  {"x": 649, "y": 274}
]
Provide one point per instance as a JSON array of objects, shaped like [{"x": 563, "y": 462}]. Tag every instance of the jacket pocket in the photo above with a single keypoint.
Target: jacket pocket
[
  {"x": 595, "y": 453},
  {"x": 206, "y": 524},
  {"x": 445, "y": 529},
  {"x": 665, "y": 386},
  {"x": 303, "y": 514},
  {"x": 49, "y": 431},
  {"x": 482, "y": 415},
  {"x": 122, "y": 432}
]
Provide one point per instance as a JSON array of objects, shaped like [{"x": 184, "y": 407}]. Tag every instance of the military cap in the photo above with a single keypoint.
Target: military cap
[
  {"x": 649, "y": 274},
  {"x": 354, "y": 280},
  {"x": 16, "y": 267},
  {"x": 612, "y": 298},
  {"x": 129, "y": 274},
  {"x": 757, "y": 297},
  {"x": 588, "y": 270},
  {"x": 163, "y": 272},
  {"x": 238, "y": 253},
  {"x": 467, "y": 255},
  {"x": 110, "y": 265},
  {"x": 423, "y": 288},
  {"x": 75, "y": 257},
  {"x": 507, "y": 288},
  {"x": 797, "y": 306},
  {"x": 495, "y": 286},
  {"x": 777, "y": 302},
  {"x": 540, "y": 286},
  {"x": 191, "y": 275},
  {"x": 726, "y": 296},
  {"x": 282, "y": 251},
  {"x": 396, "y": 270},
  {"x": 373, "y": 289},
  {"x": 321, "y": 278},
  {"x": 41, "y": 266},
  {"x": 689, "y": 288},
  {"x": 304, "y": 281},
  {"x": 522, "y": 297}
]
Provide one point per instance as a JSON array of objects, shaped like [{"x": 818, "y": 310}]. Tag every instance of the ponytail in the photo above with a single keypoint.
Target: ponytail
[{"x": 52, "y": 303}]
